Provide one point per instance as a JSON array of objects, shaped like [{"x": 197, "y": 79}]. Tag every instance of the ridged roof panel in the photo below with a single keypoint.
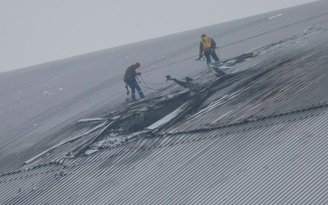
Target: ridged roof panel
[
  {"x": 273, "y": 161},
  {"x": 259, "y": 138}
]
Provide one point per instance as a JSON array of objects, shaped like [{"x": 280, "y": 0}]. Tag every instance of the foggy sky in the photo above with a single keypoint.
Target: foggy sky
[{"x": 38, "y": 31}]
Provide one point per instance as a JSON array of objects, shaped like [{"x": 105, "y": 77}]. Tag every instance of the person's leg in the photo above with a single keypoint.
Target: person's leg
[
  {"x": 133, "y": 91},
  {"x": 208, "y": 60},
  {"x": 139, "y": 90},
  {"x": 208, "y": 57},
  {"x": 214, "y": 56}
]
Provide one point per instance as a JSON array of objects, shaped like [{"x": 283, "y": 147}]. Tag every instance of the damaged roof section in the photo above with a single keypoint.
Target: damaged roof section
[{"x": 138, "y": 119}]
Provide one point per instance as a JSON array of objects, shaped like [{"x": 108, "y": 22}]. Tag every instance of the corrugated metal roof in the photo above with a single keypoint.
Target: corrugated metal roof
[
  {"x": 259, "y": 138},
  {"x": 276, "y": 160}
]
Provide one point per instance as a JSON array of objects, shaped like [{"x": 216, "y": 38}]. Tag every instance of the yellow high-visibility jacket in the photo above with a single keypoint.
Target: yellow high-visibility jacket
[{"x": 205, "y": 44}]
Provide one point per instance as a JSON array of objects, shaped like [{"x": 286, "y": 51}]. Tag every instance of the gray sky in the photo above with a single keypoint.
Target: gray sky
[{"x": 38, "y": 31}]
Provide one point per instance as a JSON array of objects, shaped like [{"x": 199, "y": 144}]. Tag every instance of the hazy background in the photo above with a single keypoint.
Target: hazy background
[{"x": 37, "y": 31}]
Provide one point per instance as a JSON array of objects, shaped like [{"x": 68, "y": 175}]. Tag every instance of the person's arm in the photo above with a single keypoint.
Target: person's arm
[
  {"x": 213, "y": 43},
  {"x": 201, "y": 50}
]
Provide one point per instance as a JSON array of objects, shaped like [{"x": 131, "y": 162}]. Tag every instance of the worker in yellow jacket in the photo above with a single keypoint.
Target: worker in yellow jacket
[{"x": 207, "y": 48}]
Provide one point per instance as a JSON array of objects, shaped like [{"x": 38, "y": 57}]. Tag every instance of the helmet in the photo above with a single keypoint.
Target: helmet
[
  {"x": 137, "y": 65},
  {"x": 203, "y": 35}
]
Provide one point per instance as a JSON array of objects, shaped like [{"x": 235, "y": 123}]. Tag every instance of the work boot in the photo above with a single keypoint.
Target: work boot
[
  {"x": 141, "y": 94},
  {"x": 133, "y": 97}
]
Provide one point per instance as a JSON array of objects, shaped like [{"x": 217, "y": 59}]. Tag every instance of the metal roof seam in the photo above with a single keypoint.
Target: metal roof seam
[{"x": 30, "y": 175}]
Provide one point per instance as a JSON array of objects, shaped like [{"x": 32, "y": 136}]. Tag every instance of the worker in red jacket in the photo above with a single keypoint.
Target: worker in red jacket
[{"x": 130, "y": 80}]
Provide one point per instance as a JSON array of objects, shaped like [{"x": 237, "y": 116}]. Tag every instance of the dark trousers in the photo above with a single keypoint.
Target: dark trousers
[
  {"x": 208, "y": 55},
  {"x": 135, "y": 86}
]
